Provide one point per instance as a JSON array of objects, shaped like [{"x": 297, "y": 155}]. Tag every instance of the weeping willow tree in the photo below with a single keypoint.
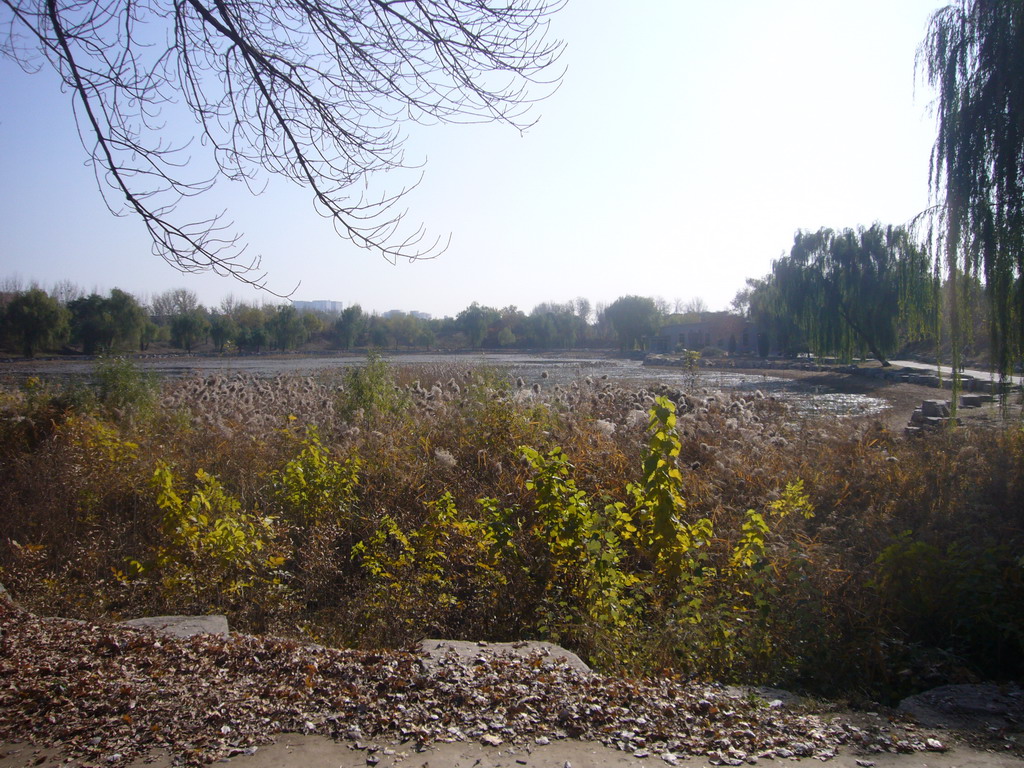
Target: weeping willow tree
[
  {"x": 974, "y": 57},
  {"x": 761, "y": 304},
  {"x": 856, "y": 291}
]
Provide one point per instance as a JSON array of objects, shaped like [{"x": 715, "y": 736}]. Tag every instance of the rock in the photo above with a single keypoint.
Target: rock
[
  {"x": 435, "y": 650},
  {"x": 183, "y": 626},
  {"x": 968, "y": 707},
  {"x": 931, "y": 408},
  {"x": 774, "y": 698}
]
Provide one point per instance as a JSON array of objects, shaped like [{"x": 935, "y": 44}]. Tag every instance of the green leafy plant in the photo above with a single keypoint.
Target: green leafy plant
[
  {"x": 211, "y": 547},
  {"x": 432, "y": 577},
  {"x": 370, "y": 391},
  {"x": 124, "y": 389},
  {"x": 673, "y": 543},
  {"x": 586, "y": 587},
  {"x": 314, "y": 487},
  {"x": 743, "y": 630}
]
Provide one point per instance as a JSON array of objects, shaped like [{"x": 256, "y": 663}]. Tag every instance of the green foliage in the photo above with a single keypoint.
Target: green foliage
[
  {"x": 125, "y": 389},
  {"x": 604, "y": 543},
  {"x": 972, "y": 57},
  {"x": 36, "y": 393},
  {"x": 348, "y": 326},
  {"x": 314, "y": 488},
  {"x": 966, "y": 597},
  {"x": 856, "y": 291},
  {"x": 98, "y": 452},
  {"x": 497, "y": 421},
  {"x": 211, "y": 547},
  {"x": 612, "y": 567},
  {"x": 370, "y": 390},
  {"x": 223, "y": 329},
  {"x": 777, "y": 328},
  {"x": 102, "y": 324},
  {"x": 476, "y": 322},
  {"x": 252, "y": 333},
  {"x": 188, "y": 329},
  {"x": 434, "y": 577},
  {"x": 586, "y": 587},
  {"x": 148, "y": 333},
  {"x": 35, "y": 321},
  {"x": 286, "y": 327},
  {"x": 659, "y": 506},
  {"x": 692, "y": 361},
  {"x": 93, "y": 327},
  {"x": 635, "y": 319},
  {"x": 749, "y": 554}
]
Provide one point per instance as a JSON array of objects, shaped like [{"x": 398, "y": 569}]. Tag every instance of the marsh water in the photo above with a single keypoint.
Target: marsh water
[{"x": 548, "y": 371}]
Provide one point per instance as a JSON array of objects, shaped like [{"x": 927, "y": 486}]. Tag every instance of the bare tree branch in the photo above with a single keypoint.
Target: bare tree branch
[{"x": 315, "y": 91}]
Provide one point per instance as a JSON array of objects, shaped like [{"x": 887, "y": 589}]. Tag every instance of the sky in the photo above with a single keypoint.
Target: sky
[{"x": 687, "y": 143}]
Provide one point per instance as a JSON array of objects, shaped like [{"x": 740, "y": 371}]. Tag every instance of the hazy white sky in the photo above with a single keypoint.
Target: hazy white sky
[{"x": 688, "y": 142}]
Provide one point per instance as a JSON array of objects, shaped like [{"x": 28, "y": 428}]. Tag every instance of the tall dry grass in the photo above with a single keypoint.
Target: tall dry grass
[{"x": 908, "y": 574}]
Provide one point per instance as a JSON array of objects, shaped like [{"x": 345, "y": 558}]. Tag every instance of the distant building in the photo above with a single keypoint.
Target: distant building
[
  {"x": 327, "y": 307},
  {"x": 414, "y": 313},
  {"x": 724, "y": 330}
]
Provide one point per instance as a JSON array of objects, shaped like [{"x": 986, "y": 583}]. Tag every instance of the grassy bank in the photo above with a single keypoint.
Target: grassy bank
[{"x": 697, "y": 533}]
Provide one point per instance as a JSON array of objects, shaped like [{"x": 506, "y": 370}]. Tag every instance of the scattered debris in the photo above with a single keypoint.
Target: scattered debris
[{"x": 96, "y": 691}]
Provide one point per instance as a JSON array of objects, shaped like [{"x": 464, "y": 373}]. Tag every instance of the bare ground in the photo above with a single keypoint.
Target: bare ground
[{"x": 313, "y": 751}]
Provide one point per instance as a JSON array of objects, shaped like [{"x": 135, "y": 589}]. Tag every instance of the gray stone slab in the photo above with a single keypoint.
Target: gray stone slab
[
  {"x": 984, "y": 706},
  {"x": 183, "y": 626},
  {"x": 933, "y": 408},
  {"x": 469, "y": 652}
]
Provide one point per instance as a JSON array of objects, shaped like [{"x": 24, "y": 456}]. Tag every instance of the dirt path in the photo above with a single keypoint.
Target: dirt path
[{"x": 312, "y": 751}]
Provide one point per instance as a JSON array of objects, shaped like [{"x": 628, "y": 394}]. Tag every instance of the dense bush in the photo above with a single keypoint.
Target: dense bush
[{"x": 700, "y": 533}]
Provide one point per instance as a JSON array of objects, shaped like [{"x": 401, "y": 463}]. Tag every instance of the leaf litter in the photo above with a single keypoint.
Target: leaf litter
[{"x": 109, "y": 693}]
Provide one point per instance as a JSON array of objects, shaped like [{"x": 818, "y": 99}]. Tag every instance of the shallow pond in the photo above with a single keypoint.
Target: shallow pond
[{"x": 548, "y": 371}]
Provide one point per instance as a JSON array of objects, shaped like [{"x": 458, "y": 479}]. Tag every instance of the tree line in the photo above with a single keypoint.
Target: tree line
[
  {"x": 65, "y": 318},
  {"x": 851, "y": 293}
]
